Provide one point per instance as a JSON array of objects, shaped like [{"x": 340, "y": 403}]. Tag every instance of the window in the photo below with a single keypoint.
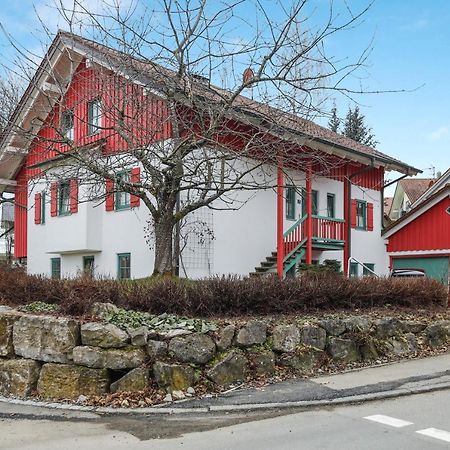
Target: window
[
  {"x": 63, "y": 198},
  {"x": 122, "y": 198},
  {"x": 56, "y": 268},
  {"x": 88, "y": 265},
  {"x": 315, "y": 202},
  {"x": 123, "y": 266},
  {"x": 366, "y": 271},
  {"x": 94, "y": 116},
  {"x": 353, "y": 269},
  {"x": 290, "y": 203},
  {"x": 330, "y": 205},
  {"x": 43, "y": 207},
  {"x": 361, "y": 215},
  {"x": 67, "y": 127}
]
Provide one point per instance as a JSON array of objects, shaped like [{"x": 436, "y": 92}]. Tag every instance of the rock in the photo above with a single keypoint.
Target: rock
[
  {"x": 413, "y": 326},
  {"x": 18, "y": 377},
  {"x": 156, "y": 349},
  {"x": 62, "y": 381},
  {"x": 195, "y": 348},
  {"x": 402, "y": 345},
  {"x": 254, "y": 332},
  {"x": 343, "y": 350},
  {"x": 358, "y": 324},
  {"x": 111, "y": 358},
  {"x": 135, "y": 380},
  {"x": 388, "y": 327},
  {"x": 169, "y": 334},
  {"x": 333, "y": 326},
  {"x": 103, "y": 310},
  {"x": 105, "y": 335},
  {"x": 437, "y": 333},
  {"x": 225, "y": 338},
  {"x": 304, "y": 359},
  {"x": 173, "y": 376},
  {"x": 369, "y": 350},
  {"x": 314, "y": 336},
  {"x": 232, "y": 368},
  {"x": 7, "y": 318},
  {"x": 45, "y": 338},
  {"x": 139, "y": 336},
  {"x": 190, "y": 390},
  {"x": 82, "y": 398},
  {"x": 178, "y": 395},
  {"x": 286, "y": 338},
  {"x": 168, "y": 398},
  {"x": 264, "y": 363}
]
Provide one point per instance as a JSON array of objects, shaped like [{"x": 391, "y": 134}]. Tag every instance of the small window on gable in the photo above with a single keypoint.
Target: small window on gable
[
  {"x": 94, "y": 116},
  {"x": 361, "y": 215},
  {"x": 290, "y": 202},
  {"x": 123, "y": 198},
  {"x": 67, "y": 125},
  {"x": 123, "y": 266}
]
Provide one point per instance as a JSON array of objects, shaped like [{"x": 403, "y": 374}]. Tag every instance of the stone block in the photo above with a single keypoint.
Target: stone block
[{"x": 105, "y": 335}]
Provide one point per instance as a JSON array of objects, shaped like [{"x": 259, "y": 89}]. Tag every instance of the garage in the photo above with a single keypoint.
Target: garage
[{"x": 434, "y": 267}]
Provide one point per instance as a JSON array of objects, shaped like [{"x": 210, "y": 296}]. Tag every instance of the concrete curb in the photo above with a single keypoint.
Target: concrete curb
[{"x": 162, "y": 410}]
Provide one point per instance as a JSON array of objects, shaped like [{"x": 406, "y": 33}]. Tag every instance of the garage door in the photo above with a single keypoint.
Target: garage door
[{"x": 434, "y": 267}]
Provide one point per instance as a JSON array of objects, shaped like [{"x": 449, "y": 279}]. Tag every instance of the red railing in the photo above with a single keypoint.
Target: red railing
[{"x": 328, "y": 229}]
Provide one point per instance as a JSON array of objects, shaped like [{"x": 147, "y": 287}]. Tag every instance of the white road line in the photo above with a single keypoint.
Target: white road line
[
  {"x": 435, "y": 433},
  {"x": 387, "y": 420}
]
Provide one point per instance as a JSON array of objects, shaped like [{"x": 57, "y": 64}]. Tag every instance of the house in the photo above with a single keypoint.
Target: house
[
  {"x": 309, "y": 212},
  {"x": 420, "y": 239},
  {"x": 407, "y": 192}
]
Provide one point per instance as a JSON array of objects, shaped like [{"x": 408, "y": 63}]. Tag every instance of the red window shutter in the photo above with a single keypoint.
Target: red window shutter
[
  {"x": 73, "y": 195},
  {"x": 353, "y": 213},
  {"x": 54, "y": 199},
  {"x": 370, "y": 216},
  {"x": 109, "y": 203},
  {"x": 135, "y": 179},
  {"x": 37, "y": 208}
]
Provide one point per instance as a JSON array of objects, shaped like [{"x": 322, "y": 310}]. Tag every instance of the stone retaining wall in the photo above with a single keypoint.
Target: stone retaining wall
[{"x": 61, "y": 358}]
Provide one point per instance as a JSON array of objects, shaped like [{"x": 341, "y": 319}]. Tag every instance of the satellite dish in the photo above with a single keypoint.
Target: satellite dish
[{"x": 248, "y": 75}]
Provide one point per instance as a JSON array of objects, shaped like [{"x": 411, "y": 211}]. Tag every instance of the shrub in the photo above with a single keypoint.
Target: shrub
[{"x": 224, "y": 296}]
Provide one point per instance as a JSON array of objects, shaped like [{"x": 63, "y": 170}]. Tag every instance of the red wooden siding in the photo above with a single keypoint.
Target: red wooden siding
[
  {"x": 20, "y": 215},
  {"x": 372, "y": 178},
  {"x": 135, "y": 178},
  {"x": 429, "y": 231}
]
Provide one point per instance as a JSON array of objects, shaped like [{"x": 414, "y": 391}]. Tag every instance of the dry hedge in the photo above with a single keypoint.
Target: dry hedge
[{"x": 226, "y": 296}]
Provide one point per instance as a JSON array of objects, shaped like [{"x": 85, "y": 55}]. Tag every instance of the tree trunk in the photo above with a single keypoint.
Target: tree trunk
[{"x": 164, "y": 246}]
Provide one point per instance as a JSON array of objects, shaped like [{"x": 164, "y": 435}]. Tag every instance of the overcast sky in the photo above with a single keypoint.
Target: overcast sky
[{"x": 411, "y": 41}]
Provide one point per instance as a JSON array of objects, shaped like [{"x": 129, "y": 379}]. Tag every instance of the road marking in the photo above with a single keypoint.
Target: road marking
[
  {"x": 435, "y": 433},
  {"x": 387, "y": 420}
]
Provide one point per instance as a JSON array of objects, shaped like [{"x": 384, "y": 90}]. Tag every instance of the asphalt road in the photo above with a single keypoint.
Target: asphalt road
[{"x": 414, "y": 422}]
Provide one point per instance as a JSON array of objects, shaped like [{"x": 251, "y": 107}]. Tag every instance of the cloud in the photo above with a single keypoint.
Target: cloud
[{"x": 440, "y": 133}]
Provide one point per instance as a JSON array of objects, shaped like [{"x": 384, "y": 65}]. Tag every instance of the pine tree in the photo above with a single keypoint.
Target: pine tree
[
  {"x": 334, "y": 123},
  {"x": 355, "y": 128}
]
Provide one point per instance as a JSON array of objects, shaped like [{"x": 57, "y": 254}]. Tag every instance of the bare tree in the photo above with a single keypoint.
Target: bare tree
[{"x": 186, "y": 93}]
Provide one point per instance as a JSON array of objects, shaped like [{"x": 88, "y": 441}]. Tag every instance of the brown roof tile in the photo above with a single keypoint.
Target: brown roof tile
[{"x": 415, "y": 187}]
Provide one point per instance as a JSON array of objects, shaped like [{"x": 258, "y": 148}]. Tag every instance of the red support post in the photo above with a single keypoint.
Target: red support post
[
  {"x": 347, "y": 224},
  {"x": 309, "y": 211},
  {"x": 280, "y": 213}
]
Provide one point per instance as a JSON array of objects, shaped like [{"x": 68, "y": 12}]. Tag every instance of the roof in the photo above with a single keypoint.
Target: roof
[
  {"x": 415, "y": 187},
  {"x": 438, "y": 183},
  {"x": 400, "y": 223},
  {"x": 276, "y": 121}
]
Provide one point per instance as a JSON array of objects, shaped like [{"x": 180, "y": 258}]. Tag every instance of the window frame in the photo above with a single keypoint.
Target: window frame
[
  {"x": 55, "y": 272},
  {"x": 43, "y": 202},
  {"x": 120, "y": 267},
  {"x": 65, "y": 130},
  {"x": 91, "y": 270},
  {"x": 290, "y": 203},
  {"x": 118, "y": 205},
  {"x": 94, "y": 128},
  {"x": 367, "y": 273},
  {"x": 333, "y": 198},
  {"x": 353, "y": 270},
  {"x": 363, "y": 204},
  {"x": 315, "y": 202},
  {"x": 62, "y": 186}
]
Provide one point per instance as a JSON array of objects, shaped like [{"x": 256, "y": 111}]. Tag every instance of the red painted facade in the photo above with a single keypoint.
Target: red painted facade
[{"x": 429, "y": 231}]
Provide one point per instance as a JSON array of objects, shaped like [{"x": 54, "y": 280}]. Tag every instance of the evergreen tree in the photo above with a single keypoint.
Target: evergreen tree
[
  {"x": 334, "y": 122},
  {"x": 356, "y": 129}
]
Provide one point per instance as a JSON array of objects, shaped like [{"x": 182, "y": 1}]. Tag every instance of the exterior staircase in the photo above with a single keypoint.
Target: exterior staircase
[{"x": 269, "y": 266}]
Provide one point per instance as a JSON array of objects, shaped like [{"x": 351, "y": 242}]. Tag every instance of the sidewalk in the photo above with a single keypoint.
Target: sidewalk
[{"x": 374, "y": 383}]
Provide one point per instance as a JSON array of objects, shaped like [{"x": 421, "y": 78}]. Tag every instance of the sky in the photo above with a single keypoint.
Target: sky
[{"x": 410, "y": 40}]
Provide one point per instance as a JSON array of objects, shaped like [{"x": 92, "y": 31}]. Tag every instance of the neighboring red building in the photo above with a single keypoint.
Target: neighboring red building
[{"x": 421, "y": 238}]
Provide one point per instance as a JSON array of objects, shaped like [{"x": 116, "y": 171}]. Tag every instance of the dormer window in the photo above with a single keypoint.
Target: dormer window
[
  {"x": 94, "y": 116},
  {"x": 67, "y": 127}
]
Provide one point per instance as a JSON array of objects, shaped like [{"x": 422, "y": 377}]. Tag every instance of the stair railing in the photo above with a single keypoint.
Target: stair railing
[
  {"x": 353, "y": 259},
  {"x": 294, "y": 237}
]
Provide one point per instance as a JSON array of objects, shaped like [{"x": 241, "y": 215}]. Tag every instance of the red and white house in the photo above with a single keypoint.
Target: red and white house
[
  {"x": 312, "y": 215},
  {"x": 420, "y": 239}
]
